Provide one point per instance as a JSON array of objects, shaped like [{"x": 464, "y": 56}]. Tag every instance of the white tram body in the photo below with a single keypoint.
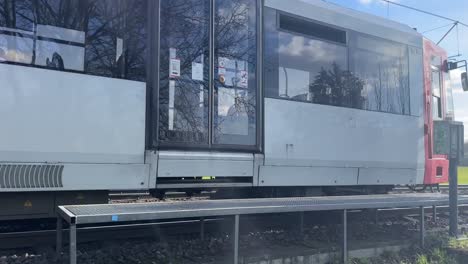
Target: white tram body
[{"x": 194, "y": 94}]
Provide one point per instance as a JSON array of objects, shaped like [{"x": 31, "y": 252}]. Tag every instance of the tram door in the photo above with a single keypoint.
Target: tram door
[{"x": 208, "y": 83}]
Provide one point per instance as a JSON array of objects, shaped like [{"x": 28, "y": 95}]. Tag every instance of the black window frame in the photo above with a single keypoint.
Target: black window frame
[
  {"x": 311, "y": 22},
  {"x": 154, "y": 143}
]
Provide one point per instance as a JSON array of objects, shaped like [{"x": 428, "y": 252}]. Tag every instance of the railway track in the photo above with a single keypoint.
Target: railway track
[{"x": 443, "y": 188}]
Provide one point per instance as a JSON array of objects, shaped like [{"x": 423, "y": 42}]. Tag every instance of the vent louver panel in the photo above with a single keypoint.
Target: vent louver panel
[{"x": 21, "y": 176}]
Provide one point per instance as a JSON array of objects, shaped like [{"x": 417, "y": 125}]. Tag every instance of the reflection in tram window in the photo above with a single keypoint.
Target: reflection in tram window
[
  {"x": 311, "y": 65},
  {"x": 183, "y": 96},
  {"x": 235, "y": 68},
  {"x": 301, "y": 60},
  {"x": 383, "y": 65},
  {"x": 98, "y": 37},
  {"x": 16, "y": 48},
  {"x": 450, "y": 111}
]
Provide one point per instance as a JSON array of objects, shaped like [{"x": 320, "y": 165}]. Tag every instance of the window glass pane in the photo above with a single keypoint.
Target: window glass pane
[
  {"x": 235, "y": 113},
  {"x": 16, "y": 26},
  {"x": 184, "y": 68},
  {"x": 416, "y": 71},
  {"x": 436, "y": 84},
  {"x": 311, "y": 29},
  {"x": 383, "y": 67},
  {"x": 99, "y": 37},
  {"x": 449, "y": 91},
  {"x": 305, "y": 65},
  {"x": 436, "y": 107},
  {"x": 307, "y": 69}
]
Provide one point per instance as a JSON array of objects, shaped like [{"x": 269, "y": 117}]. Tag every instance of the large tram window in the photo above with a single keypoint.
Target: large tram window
[
  {"x": 184, "y": 68},
  {"x": 383, "y": 67},
  {"x": 308, "y": 69},
  {"x": 235, "y": 70},
  {"x": 98, "y": 37}
]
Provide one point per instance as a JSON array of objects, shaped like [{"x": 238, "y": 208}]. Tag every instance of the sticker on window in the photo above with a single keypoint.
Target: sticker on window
[
  {"x": 174, "y": 68},
  {"x": 197, "y": 68},
  {"x": 174, "y": 64},
  {"x": 243, "y": 79}
]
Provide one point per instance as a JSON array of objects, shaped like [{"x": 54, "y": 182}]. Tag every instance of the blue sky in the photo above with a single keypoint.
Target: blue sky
[{"x": 456, "y": 9}]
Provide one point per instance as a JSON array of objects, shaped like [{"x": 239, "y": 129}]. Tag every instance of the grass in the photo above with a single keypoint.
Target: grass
[
  {"x": 463, "y": 175},
  {"x": 440, "y": 249}
]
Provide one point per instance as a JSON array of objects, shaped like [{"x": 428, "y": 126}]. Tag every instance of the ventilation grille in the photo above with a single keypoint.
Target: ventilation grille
[{"x": 20, "y": 176}]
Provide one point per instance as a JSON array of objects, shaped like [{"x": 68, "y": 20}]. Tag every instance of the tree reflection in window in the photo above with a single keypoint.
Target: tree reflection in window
[
  {"x": 305, "y": 67},
  {"x": 99, "y": 37},
  {"x": 337, "y": 87},
  {"x": 235, "y": 66},
  {"x": 183, "y": 99}
]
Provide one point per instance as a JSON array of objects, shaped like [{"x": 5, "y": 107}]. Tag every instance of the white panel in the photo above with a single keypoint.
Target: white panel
[
  {"x": 52, "y": 116},
  {"x": 197, "y": 164},
  {"x": 350, "y": 19},
  {"x": 100, "y": 177},
  {"x": 60, "y": 33},
  {"x": 379, "y": 176},
  {"x": 307, "y": 176},
  {"x": 305, "y": 134}
]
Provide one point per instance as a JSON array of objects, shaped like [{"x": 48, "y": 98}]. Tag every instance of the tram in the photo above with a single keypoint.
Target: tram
[{"x": 267, "y": 97}]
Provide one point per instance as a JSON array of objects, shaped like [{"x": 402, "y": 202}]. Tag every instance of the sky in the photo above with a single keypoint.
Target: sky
[{"x": 455, "y": 9}]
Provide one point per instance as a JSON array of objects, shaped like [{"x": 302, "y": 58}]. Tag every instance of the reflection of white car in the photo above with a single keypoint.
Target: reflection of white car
[
  {"x": 2, "y": 55},
  {"x": 51, "y": 53}
]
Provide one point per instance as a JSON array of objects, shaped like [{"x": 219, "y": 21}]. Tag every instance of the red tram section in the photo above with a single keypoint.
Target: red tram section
[{"x": 438, "y": 105}]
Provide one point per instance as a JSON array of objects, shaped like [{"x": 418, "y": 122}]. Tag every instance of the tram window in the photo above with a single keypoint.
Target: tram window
[
  {"x": 383, "y": 67},
  {"x": 184, "y": 71},
  {"x": 235, "y": 99},
  {"x": 98, "y": 37},
  {"x": 307, "y": 69}
]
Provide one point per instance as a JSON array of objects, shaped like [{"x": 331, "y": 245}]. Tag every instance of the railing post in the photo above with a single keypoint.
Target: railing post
[
  {"x": 345, "y": 236},
  {"x": 421, "y": 227},
  {"x": 73, "y": 243},
  {"x": 236, "y": 239},
  {"x": 301, "y": 222},
  {"x": 453, "y": 197},
  {"x": 59, "y": 238},
  {"x": 202, "y": 228}
]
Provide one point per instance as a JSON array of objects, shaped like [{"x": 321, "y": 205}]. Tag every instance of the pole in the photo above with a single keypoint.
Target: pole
[{"x": 453, "y": 196}]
